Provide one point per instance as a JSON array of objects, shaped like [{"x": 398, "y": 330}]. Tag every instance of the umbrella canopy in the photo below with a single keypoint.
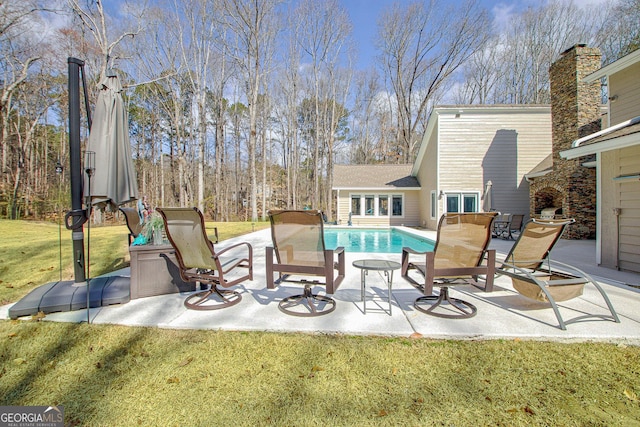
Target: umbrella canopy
[
  {"x": 486, "y": 198},
  {"x": 113, "y": 182}
]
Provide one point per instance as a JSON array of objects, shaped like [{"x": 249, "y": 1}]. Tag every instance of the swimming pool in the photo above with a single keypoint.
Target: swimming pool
[{"x": 374, "y": 240}]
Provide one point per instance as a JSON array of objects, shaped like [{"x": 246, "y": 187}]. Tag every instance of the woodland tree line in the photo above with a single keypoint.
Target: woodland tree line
[{"x": 238, "y": 106}]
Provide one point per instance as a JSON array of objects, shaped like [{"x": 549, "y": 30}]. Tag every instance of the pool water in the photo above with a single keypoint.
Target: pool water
[{"x": 374, "y": 240}]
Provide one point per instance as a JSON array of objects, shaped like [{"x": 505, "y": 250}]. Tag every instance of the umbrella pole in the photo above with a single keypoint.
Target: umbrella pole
[
  {"x": 89, "y": 164},
  {"x": 77, "y": 214}
]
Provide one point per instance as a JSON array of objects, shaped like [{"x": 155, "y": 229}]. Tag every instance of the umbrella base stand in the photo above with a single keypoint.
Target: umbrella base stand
[{"x": 70, "y": 296}]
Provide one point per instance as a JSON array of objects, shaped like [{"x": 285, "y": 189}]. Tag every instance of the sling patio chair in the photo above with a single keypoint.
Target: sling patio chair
[
  {"x": 515, "y": 225},
  {"x": 299, "y": 250},
  {"x": 458, "y": 257},
  {"x": 199, "y": 262},
  {"x": 133, "y": 222},
  {"x": 535, "y": 276},
  {"x": 501, "y": 225}
]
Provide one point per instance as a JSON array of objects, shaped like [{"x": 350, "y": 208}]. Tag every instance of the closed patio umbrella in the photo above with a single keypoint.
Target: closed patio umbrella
[
  {"x": 113, "y": 182},
  {"x": 486, "y": 198}
]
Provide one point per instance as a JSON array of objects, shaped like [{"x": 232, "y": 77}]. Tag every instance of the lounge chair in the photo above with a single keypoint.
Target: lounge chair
[
  {"x": 458, "y": 258},
  {"x": 199, "y": 262},
  {"x": 299, "y": 250},
  {"x": 133, "y": 222},
  {"x": 534, "y": 276}
]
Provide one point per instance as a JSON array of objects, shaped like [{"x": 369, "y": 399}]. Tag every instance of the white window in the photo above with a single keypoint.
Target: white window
[
  {"x": 383, "y": 205},
  {"x": 397, "y": 206},
  {"x": 462, "y": 202},
  {"x": 434, "y": 205},
  {"x": 369, "y": 205},
  {"x": 377, "y": 205},
  {"x": 355, "y": 205}
]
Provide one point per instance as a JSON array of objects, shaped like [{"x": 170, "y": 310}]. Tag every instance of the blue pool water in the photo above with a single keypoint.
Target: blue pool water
[{"x": 374, "y": 240}]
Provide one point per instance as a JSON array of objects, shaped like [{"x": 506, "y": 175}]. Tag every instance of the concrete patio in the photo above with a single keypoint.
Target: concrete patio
[{"x": 501, "y": 314}]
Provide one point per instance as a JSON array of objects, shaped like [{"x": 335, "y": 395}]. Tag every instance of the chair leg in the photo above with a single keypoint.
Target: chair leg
[
  {"x": 310, "y": 304},
  {"x": 212, "y": 299},
  {"x": 424, "y": 305}
]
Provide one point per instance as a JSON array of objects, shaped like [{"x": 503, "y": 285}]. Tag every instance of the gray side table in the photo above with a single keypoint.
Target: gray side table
[{"x": 380, "y": 265}]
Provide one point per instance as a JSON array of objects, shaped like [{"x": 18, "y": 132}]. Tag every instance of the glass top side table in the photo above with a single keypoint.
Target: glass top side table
[{"x": 385, "y": 267}]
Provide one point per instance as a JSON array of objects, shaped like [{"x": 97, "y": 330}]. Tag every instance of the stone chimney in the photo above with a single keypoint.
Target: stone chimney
[
  {"x": 575, "y": 105},
  {"x": 575, "y": 112}
]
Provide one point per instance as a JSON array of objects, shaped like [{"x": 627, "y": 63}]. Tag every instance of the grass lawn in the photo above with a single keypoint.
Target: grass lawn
[
  {"x": 113, "y": 375},
  {"x": 30, "y": 252}
]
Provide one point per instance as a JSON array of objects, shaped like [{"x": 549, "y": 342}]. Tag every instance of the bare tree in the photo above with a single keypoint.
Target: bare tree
[
  {"x": 512, "y": 68},
  {"x": 254, "y": 24},
  {"x": 197, "y": 39},
  {"x": 94, "y": 18},
  {"x": 19, "y": 52},
  {"x": 620, "y": 33},
  {"x": 322, "y": 30},
  {"x": 421, "y": 45}
]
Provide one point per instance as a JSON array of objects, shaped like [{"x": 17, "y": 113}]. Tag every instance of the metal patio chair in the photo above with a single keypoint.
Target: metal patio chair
[
  {"x": 460, "y": 256},
  {"x": 299, "y": 250},
  {"x": 200, "y": 262},
  {"x": 132, "y": 219}
]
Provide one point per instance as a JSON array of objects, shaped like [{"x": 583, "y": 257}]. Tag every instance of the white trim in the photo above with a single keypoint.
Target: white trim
[
  {"x": 614, "y": 67},
  {"x": 606, "y": 131},
  {"x": 529, "y": 176},
  {"x": 611, "y": 144}
]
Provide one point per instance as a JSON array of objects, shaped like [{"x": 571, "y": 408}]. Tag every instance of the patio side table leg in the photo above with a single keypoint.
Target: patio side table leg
[
  {"x": 389, "y": 274},
  {"x": 363, "y": 285}
]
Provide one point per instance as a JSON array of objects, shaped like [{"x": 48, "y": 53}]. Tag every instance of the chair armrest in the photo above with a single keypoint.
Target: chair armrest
[
  {"x": 413, "y": 251},
  {"x": 216, "y": 255},
  {"x": 405, "y": 265},
  {"x": 338, "y": 250}
]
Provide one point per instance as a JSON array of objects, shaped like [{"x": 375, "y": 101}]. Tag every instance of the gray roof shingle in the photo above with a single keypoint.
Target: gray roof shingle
[{"x": 374, "y": 177}]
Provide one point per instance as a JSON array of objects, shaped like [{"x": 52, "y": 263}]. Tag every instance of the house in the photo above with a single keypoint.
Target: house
[
  {"x": 376, "y": 195},
  {"x": 613, "y": 157},
  {"x": 474, "y": 158}
]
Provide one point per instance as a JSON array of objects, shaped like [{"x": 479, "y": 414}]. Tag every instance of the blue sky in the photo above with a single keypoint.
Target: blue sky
[{"x": 364, "y": 15}]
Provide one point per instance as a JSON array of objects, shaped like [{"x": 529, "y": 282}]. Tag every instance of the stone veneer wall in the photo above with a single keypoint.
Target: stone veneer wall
[{"x": 575, "y": 112}]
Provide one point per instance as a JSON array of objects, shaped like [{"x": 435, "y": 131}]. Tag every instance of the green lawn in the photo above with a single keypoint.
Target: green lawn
[
  {"x": 114, "y": 375},
  {"x": 30, "y": 252}
]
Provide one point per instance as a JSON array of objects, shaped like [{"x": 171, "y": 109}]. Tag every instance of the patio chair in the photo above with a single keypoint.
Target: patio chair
[
  {"x": 133, "y": 222},
  {"x": 515, "y": 225},
  {"x": 299, "y": 250},
  {"x": 501, "y": 225},
  {"x": 199, "y": 262},
  {"x": 534, "y": 276},
  {"x": 457, "y": 258}
]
